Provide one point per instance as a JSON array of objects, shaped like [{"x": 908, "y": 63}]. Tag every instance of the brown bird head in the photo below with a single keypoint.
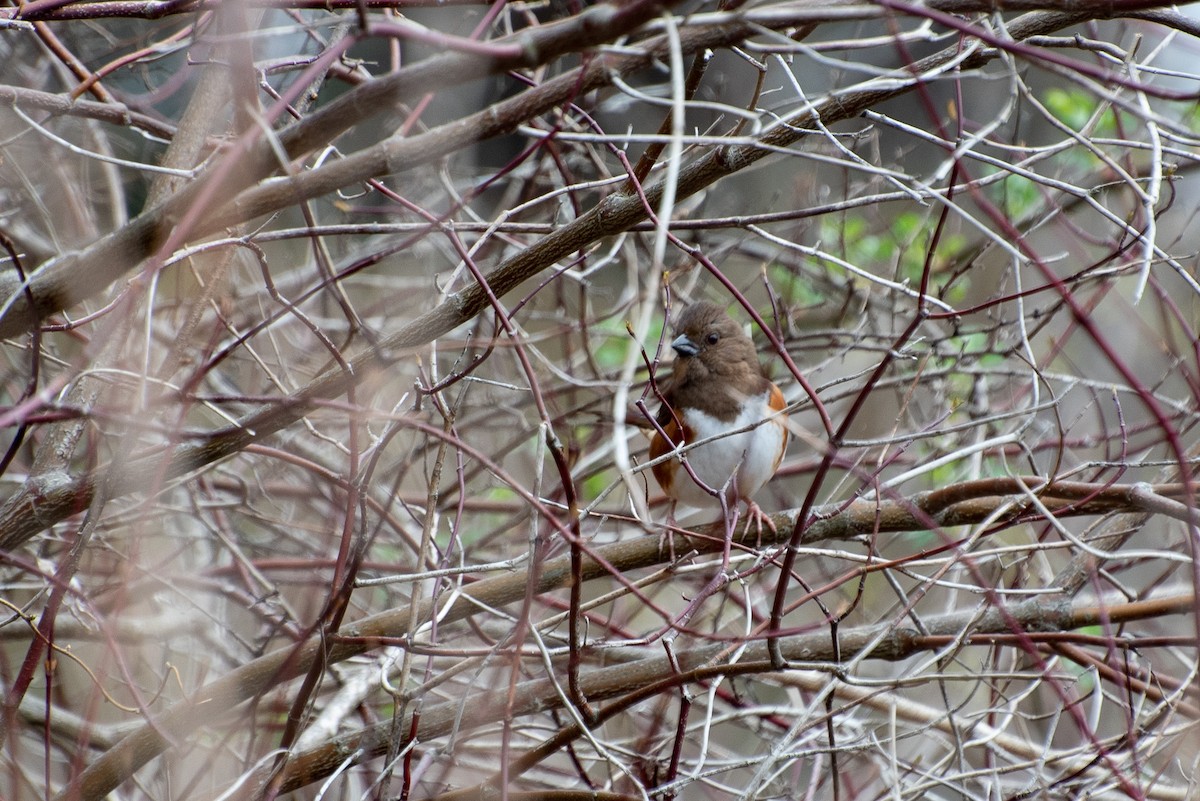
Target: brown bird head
[{"x": 716, "y": 366}]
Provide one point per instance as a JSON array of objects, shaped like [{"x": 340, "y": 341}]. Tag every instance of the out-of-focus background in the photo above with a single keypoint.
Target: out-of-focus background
[{"x": 332, "y": 333}]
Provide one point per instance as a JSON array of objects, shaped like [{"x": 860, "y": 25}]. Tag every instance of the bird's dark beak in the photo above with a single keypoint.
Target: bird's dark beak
[{"x": 684, "y": 346}]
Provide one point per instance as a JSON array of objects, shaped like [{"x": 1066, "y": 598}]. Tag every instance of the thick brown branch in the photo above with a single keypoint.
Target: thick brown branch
[{"x": 63, "y": 282}]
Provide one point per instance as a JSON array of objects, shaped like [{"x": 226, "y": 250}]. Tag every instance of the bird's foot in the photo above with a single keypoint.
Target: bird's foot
[{"x": 758, "y": 518}]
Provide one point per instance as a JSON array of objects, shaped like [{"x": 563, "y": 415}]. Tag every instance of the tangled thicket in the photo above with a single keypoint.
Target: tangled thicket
[{"x": 331, "y": 336}]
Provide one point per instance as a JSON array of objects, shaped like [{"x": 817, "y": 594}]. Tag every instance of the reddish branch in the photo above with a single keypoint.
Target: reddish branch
[{"x": 961, "y": 508}]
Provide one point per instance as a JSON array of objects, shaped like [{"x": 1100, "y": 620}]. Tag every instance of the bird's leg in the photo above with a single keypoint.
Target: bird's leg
[
  {"x": 753, "y": 512},
  {"x": 668, "y": 533}
]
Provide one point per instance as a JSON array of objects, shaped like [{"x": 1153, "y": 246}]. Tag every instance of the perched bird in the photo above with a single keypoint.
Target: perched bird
[{"x": 716, "y": 386}]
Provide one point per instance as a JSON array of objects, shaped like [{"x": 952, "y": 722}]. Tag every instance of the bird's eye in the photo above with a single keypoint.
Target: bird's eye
[{"x": 712, "y": 338}]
